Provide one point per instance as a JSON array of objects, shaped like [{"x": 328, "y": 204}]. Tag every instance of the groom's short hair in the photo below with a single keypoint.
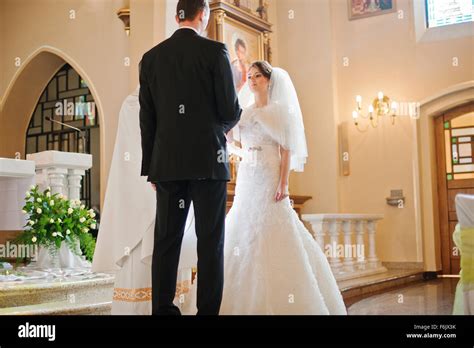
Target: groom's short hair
[{"x": 187, "y": 10}]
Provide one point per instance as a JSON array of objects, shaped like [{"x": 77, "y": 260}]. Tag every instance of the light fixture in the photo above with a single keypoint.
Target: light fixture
[
  {"x": 381, "y": 106},
  {"x": 124, "y": 15}
]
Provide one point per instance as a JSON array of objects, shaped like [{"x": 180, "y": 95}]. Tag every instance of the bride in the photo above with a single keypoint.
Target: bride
[{"x": 272, "y": 265}]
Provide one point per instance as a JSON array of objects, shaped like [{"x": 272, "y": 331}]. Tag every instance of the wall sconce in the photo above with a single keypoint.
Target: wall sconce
[
  {"x": 381, "y": 106},
  {"x": 396, "y": 199},
  {"x": 124, "y": 15}
]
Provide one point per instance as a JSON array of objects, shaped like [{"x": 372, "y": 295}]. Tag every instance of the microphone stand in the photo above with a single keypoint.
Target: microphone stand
[{"x": 82, "y": 134}]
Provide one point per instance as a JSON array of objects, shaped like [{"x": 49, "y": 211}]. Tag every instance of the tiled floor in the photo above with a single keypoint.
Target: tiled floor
[{"x": 425, "y": 298}]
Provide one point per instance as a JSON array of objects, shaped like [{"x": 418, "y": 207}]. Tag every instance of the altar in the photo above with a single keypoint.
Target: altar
[
  {"x": 16, "y": 176},
  {"x": 26, "y": 288}
]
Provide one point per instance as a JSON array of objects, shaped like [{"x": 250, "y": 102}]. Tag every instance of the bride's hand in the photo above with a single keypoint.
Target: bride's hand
[{"x": 282, "y": 191}]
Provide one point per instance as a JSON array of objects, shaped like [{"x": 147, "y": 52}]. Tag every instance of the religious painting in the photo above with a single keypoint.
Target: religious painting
[
  {"x": 368, "y": 8},
  {"x": 245, "y": 46}
]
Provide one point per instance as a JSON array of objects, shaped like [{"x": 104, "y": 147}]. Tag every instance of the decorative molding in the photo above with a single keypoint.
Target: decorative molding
[
  {"x": 444, "y": 93},
  {"x": 124, "y": 15},
  {"x": 241, "y": 15}
]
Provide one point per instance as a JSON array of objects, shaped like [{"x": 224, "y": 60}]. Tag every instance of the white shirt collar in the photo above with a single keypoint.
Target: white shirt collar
[{"x": 186, "y": 27}]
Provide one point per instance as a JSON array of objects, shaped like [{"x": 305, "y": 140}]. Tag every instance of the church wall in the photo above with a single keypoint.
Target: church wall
[
  {"x": 148, "y": 29},
  {"x": 304, "y": 50}
]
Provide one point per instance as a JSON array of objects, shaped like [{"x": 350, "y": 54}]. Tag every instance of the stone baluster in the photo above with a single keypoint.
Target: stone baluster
[
  {"x": 359, "y": 230},
  {"x": 322, "y": 237},
  {"x": 319, "y": 232},
  {"x": 74, "y": 180},
  {"x": 334, "y": 233},
  {"x": 372, "y": 257},
  {"x": 56, "y": 179},
  {"x": 348, "y": 262}
]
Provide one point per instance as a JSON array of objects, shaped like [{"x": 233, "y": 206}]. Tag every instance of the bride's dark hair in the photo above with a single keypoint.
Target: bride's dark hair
[{"x": 264, "y": 67}]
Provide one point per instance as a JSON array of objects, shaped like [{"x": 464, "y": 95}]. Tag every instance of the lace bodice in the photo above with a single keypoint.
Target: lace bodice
[{"x": 252, "y": 130}]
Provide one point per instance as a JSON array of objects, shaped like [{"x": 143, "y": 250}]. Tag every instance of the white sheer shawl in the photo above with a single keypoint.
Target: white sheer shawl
[{"x": 285, "y": 125}]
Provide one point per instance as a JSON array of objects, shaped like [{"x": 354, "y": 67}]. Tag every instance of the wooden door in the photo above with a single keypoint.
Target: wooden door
[{"x": 455, "y": 161}]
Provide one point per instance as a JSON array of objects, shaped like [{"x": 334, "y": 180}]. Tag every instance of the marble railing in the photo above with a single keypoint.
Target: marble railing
[
  {"x": 62, "y": 171},
  {"x": 348, "y": 241}
]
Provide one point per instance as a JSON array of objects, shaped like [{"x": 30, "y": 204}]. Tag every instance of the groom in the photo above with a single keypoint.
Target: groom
[{"x": 188, "y": 103}]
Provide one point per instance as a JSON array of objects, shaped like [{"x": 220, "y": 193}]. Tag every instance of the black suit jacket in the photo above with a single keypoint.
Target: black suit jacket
[{"x": 187, "y": 104}]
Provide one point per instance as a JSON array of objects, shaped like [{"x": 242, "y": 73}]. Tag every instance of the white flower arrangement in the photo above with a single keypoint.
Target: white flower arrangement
[{"x": 52, "y": 220}]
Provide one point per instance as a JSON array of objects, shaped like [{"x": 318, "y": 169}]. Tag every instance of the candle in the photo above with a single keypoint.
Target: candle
[
  {"x": 380, "y": 95},
  {"x": 355, "y": 115},
  {"x": 359, "y": 101}
]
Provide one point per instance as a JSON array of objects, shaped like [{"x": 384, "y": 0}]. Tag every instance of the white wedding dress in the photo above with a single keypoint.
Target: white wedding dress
[{"x": 272, "y": 264}]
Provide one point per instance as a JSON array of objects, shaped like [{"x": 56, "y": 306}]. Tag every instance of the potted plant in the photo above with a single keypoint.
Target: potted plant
[{"x": 59, "y": 227}]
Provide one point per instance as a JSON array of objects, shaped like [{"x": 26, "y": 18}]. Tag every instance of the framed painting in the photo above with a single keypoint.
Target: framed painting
[
  {"x": 246, "y": 37},
  {"x": 245, "y": 46},
  {"x": 368, "y": 8}
]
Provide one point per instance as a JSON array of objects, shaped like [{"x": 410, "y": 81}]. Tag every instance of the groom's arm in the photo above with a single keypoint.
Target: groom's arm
[
  {"x": 147, "y": 121},
  {"x": 228, "y": 107}
]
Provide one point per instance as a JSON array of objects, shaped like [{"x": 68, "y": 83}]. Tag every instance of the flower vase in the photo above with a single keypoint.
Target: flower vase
[{"x": 63, "y": 257}]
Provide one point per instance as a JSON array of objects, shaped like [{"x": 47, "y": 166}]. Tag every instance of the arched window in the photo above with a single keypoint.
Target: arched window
[{"x": 66, "y": 119}]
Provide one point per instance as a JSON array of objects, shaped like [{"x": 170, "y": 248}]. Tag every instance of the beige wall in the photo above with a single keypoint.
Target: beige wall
[
  {"x": 304, "y": 49},
  {"x": 148, "y": 30},
  {"x": 383, "y": 55}
]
